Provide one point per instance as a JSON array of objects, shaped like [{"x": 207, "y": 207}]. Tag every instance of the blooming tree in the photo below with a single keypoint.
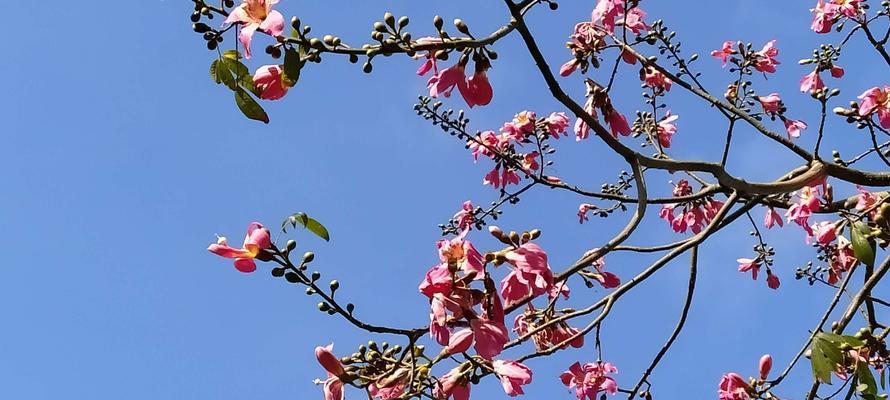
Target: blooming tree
[{"x": 484, "y": 301}]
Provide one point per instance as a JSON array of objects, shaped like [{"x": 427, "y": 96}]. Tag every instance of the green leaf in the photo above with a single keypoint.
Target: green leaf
[
  {"x": 307, "y": 222},
  {"x": 214, "y": 71},
  {"x": 224, "y": 74},
  {"x": 292, "y": 66},
  {"x": 825, "y": 357},
  {"x": 863, "y": 245},
  {"x": 865, "y": 379},
  {"x": 249, "y": 106},
  {"x": 232, "y": 54}
]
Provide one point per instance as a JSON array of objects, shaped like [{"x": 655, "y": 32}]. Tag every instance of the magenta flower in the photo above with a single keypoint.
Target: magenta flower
[
  {"x": 446, "y": 80},
  {"x": 477, "y": 91},
  {"x": 772, "y": 103},
  {"x": 823, "y": 232},
  {"x": 464, "y": 218},
  {"x": 667, "y": 129},
  {"x": 329, "y": 361},
  {"x": 876, "y": 101},
  {"x": 766, "y": 364},
  {"x": 841, "y": 259},
  {"x": 256, "y": 241},
  {"x": 808, "y": 202},
  {"x": 459, "y": 342},
  {"x": 512, "y": 375},
  {"x": 269, "y": 82},
  {"x": 793, "y": 127},
  {"x": 655, "y": 79},
  {"x": 557, "y": 124},
  {"x": 490, "y": 336},
  {"x": 590, "y": 379},
  {"x": 772, "y": 281},
  {"x": 530, "y": 277},
  {"x": 724, "y": 52},
  {"x": 811, "y": 82},
  {"x": 733, "y": 387},
  {"x": 836, "y": 71},
  {"x": 256, "y": 15},
  {"x": 747, "y": 264},
  {"x": 617, "y": 123},
  {"x": 771, "y": 218},
  {"x": 568, "y": 68},
  {"x": 766, "y": 58}
]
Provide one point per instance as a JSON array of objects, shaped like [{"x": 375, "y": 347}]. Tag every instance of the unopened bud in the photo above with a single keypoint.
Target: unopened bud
[
  {"x": 291, "y": 244},
  {"x": 308, "y": 257},
  {"x": 461, "y": 26}
]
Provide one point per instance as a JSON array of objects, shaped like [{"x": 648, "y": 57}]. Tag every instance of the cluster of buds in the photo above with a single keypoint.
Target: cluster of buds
[{"x": 824, "y": 59}]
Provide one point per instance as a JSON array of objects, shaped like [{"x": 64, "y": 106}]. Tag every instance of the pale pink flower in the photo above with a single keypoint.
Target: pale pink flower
[
  {"x": 808, "y": 202},
  {"x": 530, "y": 162},
  {"x": 811, "y": 82},
  {"x": 606, "y": 12},
  {"x": 667, "y": 129},
  {"x": 793, "y": 127},
  {"x": 582, "y": 212},
  {"x": 748, "y": 264},
  {"x": 269, "y": 82},
  {"x": 437, "y": 280},
  {"x": 256, "y": 15},
  {"x": 557, "y": 124},
  {"x": 488, "y": 144},
  {"x": 393, "y": 391},
  {"x": 256, "y": 241},
  {"x": 582, "y": 130},
  {"x": 590, "y": 379},
  {"x": 765, "y": 365},
  {"x": 512, "y": 375},
  {"x": 464, "y": 218},
  {"x": 462, "y": 254},
  {"x": 876, "y": 100},
  {"x": 655, "y": 79},
  {"x": 841, "y": 259},
  {"x": 329, "y": 361},
  {"x": 849, "y": 8},
  {"x": 771, "y": 103},
  {"x": 633, "y": 20},
  {"x": 733, "y": 387},
  {"x": 823, "y": 17},
  {"x": 866, "y": 200},
  {"x": 771, "y": 218},
  {"x": 766, "y": 58},
  {"x": 724, "y": 52},
  {"x": 452, "y": 385}
]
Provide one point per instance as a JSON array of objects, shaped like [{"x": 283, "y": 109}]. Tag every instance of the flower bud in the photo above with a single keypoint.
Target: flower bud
[
  {"x": 308, "y": 257},
  {"x": 438, "y": 23},
  {"x": 291, "y": 244},
  {"x": 328, "y": 360},
  {"x": 766, "y": 364}
]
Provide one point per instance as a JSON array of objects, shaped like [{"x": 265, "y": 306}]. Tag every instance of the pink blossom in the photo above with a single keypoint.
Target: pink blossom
[
  {"x": 553, "y": 335},
  {"x": 808, "y": 202},
  {"x": 557, "y": 124},
  {"x": 437, "y": 280},
  {"x": 256, "y": 241},
  {"x": 459, "y": 342},
  {"x": 488, "y": 144},
  {"x": 617, "y": 123},
  {"x": 733, "y": 387},
  {"x": 453, "y": 385},
  {"x": 333, "y": 389},
  {"x": 653, "y": 78},
  {"x": 811, "y": 82},
  {"x": 329, "y": 361},
  {"x": 477, "y": 91},
  {"x": 582, "y": 212},
  {"x": 765, "y": 365},
  {"x": 824, "y": 232},
  {"x": 841, "y": 259},
  {"x": 836, "y": 72},
  {"x": 522, "y": 125},
  {"x": 512, "y": 375},
  {"x": 491, "y": 336},
  {"x": 393, "y": 391},
  {"x": 866, "y": 200},
  {"x": 876, "y": 100},
  {"x": 771, "y": 103},
  {"x": 256, "y": 15},
  {"x": 793, "y": 127},
  {"x": 771, "y": 218},
  {"x": 530, "y": 162},
  {"x": 823, "y": 17},
  {"x": 849, "y": 8},
  {"x": 445, "y": 81},
  {"x": 269, "y": 82},
  {"x": 462, "y": 254},
  {"x": 590, "y": 379},
  {"x": 766, "y": 58},
  {"x": 724, "y": 52},
  {"x": 464, "y": 218},
  {"x": 772, "y": 281},
  {"x": 569, "y": 67},
  {"x": 530, "y": 277},
  {"x": 747, "y": 264},
  {"x": 667, "y": 129},
  {"x": 605, "y": 13},
  {"x": 582, "y": 130},
  {"x": 633, "y": 20}
]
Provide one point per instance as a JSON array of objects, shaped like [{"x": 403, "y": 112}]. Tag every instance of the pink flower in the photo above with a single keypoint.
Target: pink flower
[
  {"x": 766, "y": 58},
  {"x": 667, "y": 129},
  {"x": 269, "y": 82},
  {"x": 453, "y": 384},
  {"x": 557, "y": 124},
  {"x": 568, "y": 68},
  {"x": 444, "y": 82},
  {"x": 747, "y": 264},
  {"x": 771, "y": 218},
  {"x": 793, "y": 127},
  {"x": 530, "y": 277},
  {"x": 808, "y": 202},
  {"x": 464, "y": 218},
  {"x": 823, "y": 17},
  {"x": 771, "y": 103},
  {"x": 836, "y": 72},
  {"x": 811, "y": 82},
  {"x": 633, "y": 20},
  {"x": 462, "y": 254},
  {"x": 655, "y": 79},
  {"x": 582, "y": 130},
  {"x": 394, "y": 390},
  {"x": 772, "y": 281},
  {"x": 866, "y": 200},
  {"x": 488, "y": 144},
  {"x": 849, "y": 8},
  {"x": 437, "y": 280},
  {"x": 841, "y": 259},
  {"x": 329, "y": 361},
  {"x": 256, "y": 15},
  {"x": 582, "y": 212},
  {"x": 477, "y": 91},
  {"x": 605, "y": 13},
  {"x": 459, "y": 342},
  {"x": 766, "y": 364},
  {"x": 824, "y": 232},
  {"x": 255, "y": 242},
  {"x": 723, "y": 53},
  {"x": 512, "y": 375},
  {"x": 522, "y": 124},
  {"x": 491, "y": 336},
  {"x": 590, "y": 379},
  {"x": 617, "y": 123},
  {"x": 530, "y": 162},
  {"x": 733, "y": 387},
  {"x": 333, "y": 389},
  {"x": 876, "y": 100}
]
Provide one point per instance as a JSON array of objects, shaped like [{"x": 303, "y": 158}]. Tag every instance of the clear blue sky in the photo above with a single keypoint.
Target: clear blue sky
[{"x": 122, "y": 159}]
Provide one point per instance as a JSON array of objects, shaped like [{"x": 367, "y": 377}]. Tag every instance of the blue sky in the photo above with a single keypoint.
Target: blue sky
[{"x": 123, "y": 159}]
